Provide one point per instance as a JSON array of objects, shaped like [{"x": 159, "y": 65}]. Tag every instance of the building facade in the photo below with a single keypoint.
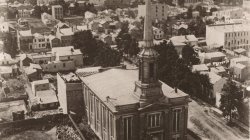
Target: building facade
[
  {"x": 230, "y": 36},
  {"x": 57, "y": 12},
  {"x": 158, "y": 11}
]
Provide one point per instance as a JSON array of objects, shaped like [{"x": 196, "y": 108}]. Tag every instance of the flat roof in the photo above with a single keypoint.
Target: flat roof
[
  {"x": 70, "y": 77},
  {"x": 6, "y": 109},
  {"x": 38, "y": 82},
  {"x": 200, "y": 67},
  {"x": 66, "y": 51},
  {"x": 46, "y": 96},
  {"x": 231, "y": 27}
]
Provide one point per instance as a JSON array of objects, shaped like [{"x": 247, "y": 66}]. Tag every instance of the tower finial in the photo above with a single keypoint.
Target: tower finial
[{"x": 148, "y": 30}]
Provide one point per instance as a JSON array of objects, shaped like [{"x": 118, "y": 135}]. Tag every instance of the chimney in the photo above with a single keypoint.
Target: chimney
[
  {"x": 107, "y": 98},
  {"x": 175, "y": 90}
]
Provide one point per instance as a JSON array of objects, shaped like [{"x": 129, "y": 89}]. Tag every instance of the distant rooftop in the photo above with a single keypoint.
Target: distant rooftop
[
  {"x": 213, "y": 77},
  {"x": 183, "y": 39},
  {"x": 231, "y": 27},
  {"x": 38, "y": 82},
  {"x": 240, "y": 66},
  {"x": 201, "y": 67},
  {"x": 65, "y": 51}
]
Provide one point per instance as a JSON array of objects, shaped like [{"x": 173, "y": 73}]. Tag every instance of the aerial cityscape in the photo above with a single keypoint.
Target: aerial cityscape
[{"x": 124, "y": 69}]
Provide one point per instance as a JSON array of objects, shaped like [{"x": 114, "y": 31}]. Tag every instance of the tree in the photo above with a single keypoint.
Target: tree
[
  {"x": 183, "y": 31},
  {"x": 33, "y": 2},
  {"x": 107, "y": 57},
  {"x": 88, "y": 45},
  {"x": 198, "y": 27},
  {"x": 176, "y": 73},
  {"x": 190, "y": 12},
  {"x": 230, "y": 99},
  {"x": 189, "y": 56},
  {"x": 213, "y": 10},
  {"x": 37, "y": 12},
  {"x": 44, "y": 9},
  {"x": 10, "y": 45},
  {"x": 12, "y": 13},
  {"x": 181, "y": 2},
  {"x": 167, "y": 62}
]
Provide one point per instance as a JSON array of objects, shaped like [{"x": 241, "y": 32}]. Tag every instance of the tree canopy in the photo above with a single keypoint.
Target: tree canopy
[
  {"x": 107, "y": 57},
  {"x": 10, "y": 45},
  {"x": 189, "y": 56},
  {"x": 176, "y": 73},
  {"x": 95, "y": 51},
  {"x": 230, "y": 99},
  {"x": 125, "y": 42}
]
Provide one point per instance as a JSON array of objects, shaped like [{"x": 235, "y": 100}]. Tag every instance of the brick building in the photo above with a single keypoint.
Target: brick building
[
  {"x": 134, "y": 105},
  {"x": 70, "y": 93}
]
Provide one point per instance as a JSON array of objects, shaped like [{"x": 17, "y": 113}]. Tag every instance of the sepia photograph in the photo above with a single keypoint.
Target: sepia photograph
[{"x": 124, "y": 69}]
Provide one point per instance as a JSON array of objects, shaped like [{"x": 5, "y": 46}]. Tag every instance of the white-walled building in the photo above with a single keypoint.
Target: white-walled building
[
  {"x": 5, "y": 59},
  {"x": 180, "y": 41},
  {"x": 230, "y": 36},
  {"x": 68, "y": 54},
  {"x": 40, "y": 43}
]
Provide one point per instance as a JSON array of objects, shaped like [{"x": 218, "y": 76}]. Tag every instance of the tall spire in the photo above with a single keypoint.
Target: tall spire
[
  {"x": 148, "y": 30},
  {"x": 148, "y": 87}
]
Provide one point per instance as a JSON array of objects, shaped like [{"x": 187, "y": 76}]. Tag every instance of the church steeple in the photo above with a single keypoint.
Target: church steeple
[
  {"x": 148, "y": 30},
  {"x": 148, "y": 87}
]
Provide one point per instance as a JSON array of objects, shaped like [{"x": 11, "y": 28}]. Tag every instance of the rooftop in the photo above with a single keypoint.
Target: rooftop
[
  {"x": 39, "y": 82},
  {"x": 240, "y": 50},
  {"x": 214, "y": 55},
  {"x": 4, "y": 56},
  {"x": 231, "y": 27},
  {"x": 66, "y": 31},
  {"x": 183, "y": 39},
  {"x": 201, "y": 67},
  {"x": 107, "y": 83},
  {"x": 71, "y": 78},
  {"x": 25, "y": 33},
  {"x": 6, "y": 109},
  {"x": 5, "y": 69},
  {"x": 65, "y": 51},
  {"x": 218, "y": 69},
  {"x": 213, "y": 77},
  {"x": 45, "y": 97},
  {"x": 240, "y": 66},
  {"x": 83, "y": 72},
  {"x": 35, "y": 66}
]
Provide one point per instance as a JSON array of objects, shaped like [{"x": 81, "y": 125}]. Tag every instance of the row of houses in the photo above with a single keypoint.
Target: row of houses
[{"x": 59, "y": 59}]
